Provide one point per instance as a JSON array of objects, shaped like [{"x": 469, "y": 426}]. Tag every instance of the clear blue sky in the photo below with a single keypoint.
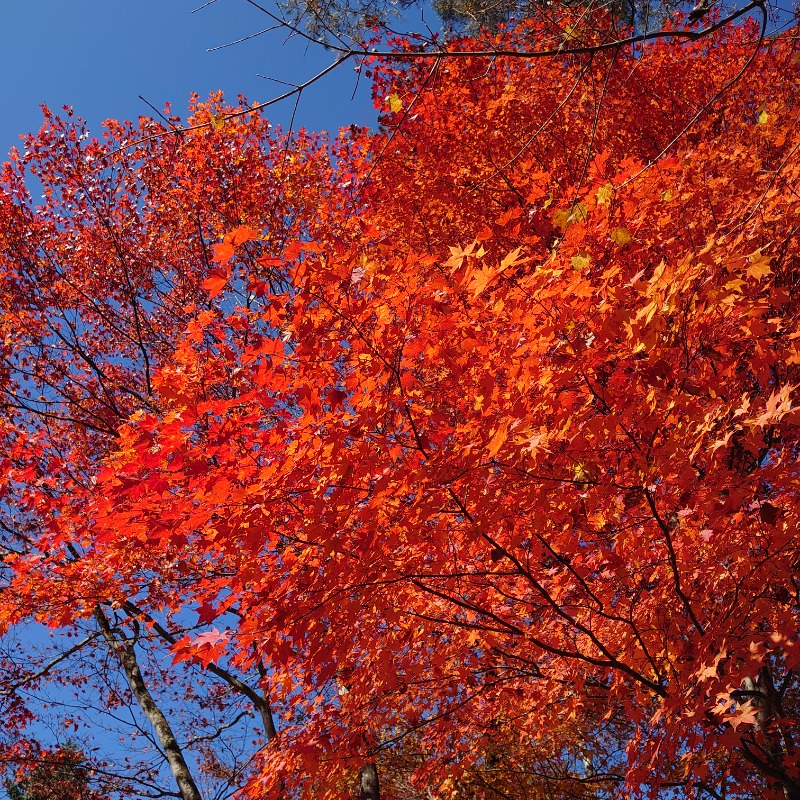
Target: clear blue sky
[{"x": 99, "y": 55}]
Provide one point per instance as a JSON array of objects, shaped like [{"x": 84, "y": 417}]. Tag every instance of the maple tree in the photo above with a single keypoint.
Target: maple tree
[
  {"x": 62, "y": 773},
  {"x": 462, "y": 454},
  {"x": 86, "y": 320}
]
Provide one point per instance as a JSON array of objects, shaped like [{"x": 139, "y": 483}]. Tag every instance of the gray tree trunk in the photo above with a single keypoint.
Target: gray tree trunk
[
  {"x": 126, "y": 655},
  {"x": 369, "y": 783}
]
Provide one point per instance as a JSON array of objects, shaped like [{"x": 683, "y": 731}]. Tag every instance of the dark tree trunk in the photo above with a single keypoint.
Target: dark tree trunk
[{"x": 369, "y": 783}]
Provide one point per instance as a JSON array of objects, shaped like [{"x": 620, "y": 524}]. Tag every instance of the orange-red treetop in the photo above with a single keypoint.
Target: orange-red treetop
[{"x": 487, "y": 433}]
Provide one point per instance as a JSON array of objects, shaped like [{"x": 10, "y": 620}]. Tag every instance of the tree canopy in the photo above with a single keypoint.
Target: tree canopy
[
  {"x": 351, "y": 21},
  {"x": 461, "y": 454},
  {"x": 60, "y": 774}
]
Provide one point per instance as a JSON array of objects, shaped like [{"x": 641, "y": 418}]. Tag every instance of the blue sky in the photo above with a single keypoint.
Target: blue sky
[{"x": 100, "y": 55}]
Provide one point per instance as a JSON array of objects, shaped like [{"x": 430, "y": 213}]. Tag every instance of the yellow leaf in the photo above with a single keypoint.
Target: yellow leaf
[
  {"x": 779, "y": 404},
  {"x": 580, "y": 261},
  {"x": 759, "y": 265},
  {"x": 621, "y": 237},
  {"x": 482, "y": 278},
  {"x": 604, "y": 194},
  {"x": 561, "y": 219},
  {"x": 395, "y": 103},
  {"x": 584, "y": 473},
  {"x": 745, "y": 714},
  {"x": 763, "y": 118},
  {"x": 579, "y": 213},
  {"x": 217, "y": 122},
  {"x": 666, "y": 196},
  {"x": 512, "y": 259},
  {"x": 457, "y": 256},
  {"x": 647, "y": 312},
  {"x": 548, "y": 202}
]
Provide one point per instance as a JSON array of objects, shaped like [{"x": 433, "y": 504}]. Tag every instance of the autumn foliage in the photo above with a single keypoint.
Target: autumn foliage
[{"x": 473, "y": 441}]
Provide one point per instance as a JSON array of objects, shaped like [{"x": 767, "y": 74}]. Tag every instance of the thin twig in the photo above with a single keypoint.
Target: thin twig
[{"x": 346, "y": 53}]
